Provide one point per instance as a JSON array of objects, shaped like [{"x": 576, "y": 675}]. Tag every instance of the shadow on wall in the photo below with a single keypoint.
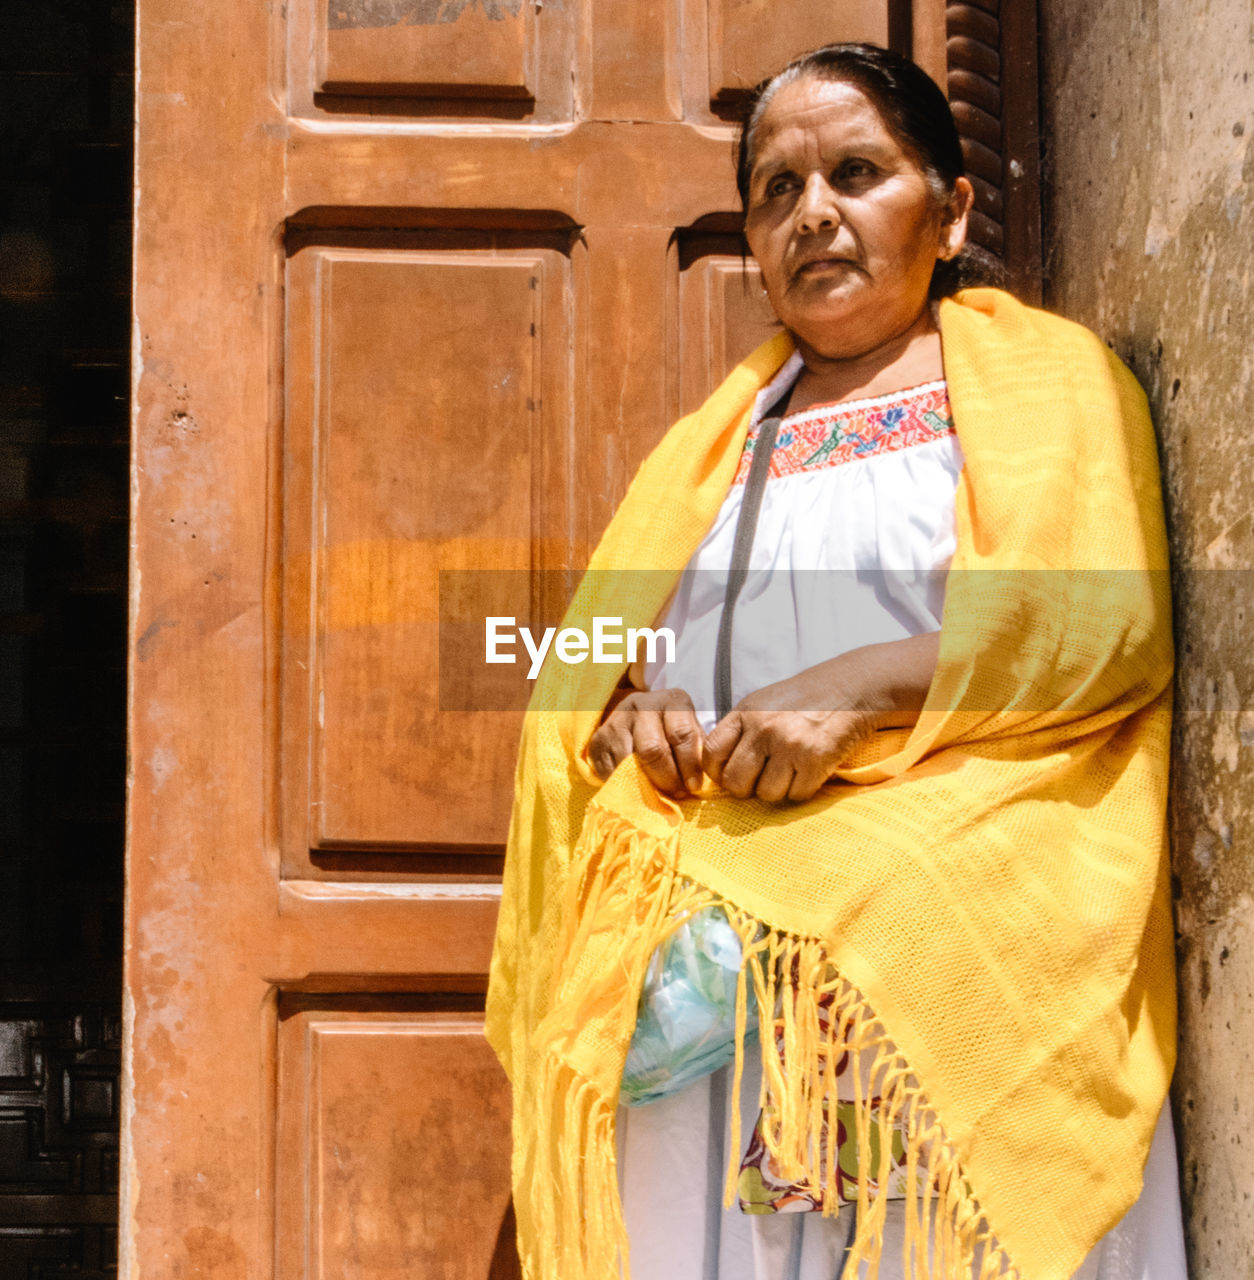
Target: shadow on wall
[{"x": 1149, "y": 219}]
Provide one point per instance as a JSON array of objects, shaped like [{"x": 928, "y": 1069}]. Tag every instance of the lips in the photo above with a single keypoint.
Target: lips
[{"x": 825, "y": 263}]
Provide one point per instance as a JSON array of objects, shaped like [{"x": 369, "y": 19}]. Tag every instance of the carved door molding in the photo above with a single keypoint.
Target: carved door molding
[{"x": 992, "y": 85}]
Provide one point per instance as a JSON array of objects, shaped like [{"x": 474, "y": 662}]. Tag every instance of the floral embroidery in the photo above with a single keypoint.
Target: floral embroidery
[{"x": 829, "y": 435}]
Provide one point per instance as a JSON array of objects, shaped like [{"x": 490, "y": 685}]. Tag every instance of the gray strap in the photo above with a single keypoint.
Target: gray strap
[{"x": 746, "y": 527}]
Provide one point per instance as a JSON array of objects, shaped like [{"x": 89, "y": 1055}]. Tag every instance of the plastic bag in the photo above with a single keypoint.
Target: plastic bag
[{"x": 686, "y": 1025}]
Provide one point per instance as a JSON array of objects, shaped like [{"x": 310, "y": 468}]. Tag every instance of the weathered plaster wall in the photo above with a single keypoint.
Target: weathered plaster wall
[{"x": 1148, "y": 115}]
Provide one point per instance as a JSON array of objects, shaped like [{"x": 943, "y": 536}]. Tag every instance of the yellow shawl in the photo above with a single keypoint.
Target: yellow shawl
[{"x": 985, "y": 896}]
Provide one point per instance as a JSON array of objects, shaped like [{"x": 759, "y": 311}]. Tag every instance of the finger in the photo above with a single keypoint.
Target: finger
[
  {"x": 683, "y": 732},
  {"x": 741, "y": 772},
  {"x": 720, "y": 744},
  {"x": 806, "y": 783},
  {"x": 774, "y": 780},
  {"x": 608, "y": 748},
  {"x": 655, "y": 755}
]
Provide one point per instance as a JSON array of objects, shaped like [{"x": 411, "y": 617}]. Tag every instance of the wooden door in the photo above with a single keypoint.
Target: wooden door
[{"x": 418, "y": 284}]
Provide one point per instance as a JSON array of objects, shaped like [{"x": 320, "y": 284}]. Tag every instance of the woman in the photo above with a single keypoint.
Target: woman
[{"x": 942, "y": 851}]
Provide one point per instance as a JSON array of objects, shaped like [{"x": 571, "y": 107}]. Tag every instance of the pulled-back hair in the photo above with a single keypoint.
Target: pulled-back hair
[{"x": 915, "y": 112}]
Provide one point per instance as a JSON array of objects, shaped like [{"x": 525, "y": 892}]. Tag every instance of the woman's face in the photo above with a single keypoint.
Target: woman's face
[{"x": 841, "y": 220}]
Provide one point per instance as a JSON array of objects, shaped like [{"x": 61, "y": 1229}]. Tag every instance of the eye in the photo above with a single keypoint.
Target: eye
[
  {"x": 852, "y": 170},
  {"x": 778, "y": 185}
]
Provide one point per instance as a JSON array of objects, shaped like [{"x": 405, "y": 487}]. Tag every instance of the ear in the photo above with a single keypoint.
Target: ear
[{"x": 953, "y": 230}]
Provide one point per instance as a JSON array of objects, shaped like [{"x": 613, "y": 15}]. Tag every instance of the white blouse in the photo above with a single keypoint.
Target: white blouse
[{"x": 854, "y": 535}]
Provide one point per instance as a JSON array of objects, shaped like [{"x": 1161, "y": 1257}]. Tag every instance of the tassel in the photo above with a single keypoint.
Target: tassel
[{"x": 624, "y": 901}]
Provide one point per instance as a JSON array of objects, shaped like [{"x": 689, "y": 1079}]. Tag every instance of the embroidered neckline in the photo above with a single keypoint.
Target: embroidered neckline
[{"x": 853, "y": 430}]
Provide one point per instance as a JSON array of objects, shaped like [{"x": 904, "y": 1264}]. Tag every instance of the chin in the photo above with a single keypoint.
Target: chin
[
  {"x": 839, "y": 328},
  {"x": 834, "y": 324}
]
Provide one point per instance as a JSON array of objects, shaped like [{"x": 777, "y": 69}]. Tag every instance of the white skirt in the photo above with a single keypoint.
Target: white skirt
[{"x": 672, "y": 1160}]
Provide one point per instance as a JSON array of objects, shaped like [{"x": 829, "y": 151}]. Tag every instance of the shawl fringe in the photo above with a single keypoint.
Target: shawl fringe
[{"x": 626, "y": 889}]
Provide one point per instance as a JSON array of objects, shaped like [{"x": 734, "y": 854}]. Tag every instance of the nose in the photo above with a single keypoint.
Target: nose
[{"x": 817, "y": 209}]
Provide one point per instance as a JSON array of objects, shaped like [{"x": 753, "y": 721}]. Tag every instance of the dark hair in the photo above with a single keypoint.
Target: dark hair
[{"x": 915, "y": 112}]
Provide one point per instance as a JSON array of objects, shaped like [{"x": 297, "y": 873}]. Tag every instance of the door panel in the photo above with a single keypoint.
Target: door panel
[
  {"x": 429, "y": 59},
  {"x": 428, "y": 399},
  {"x": 412, "y": 295},
  {"x": 384, "y": 1171},
  {"x": 723, "y": 313},
  {"x": 631, "y": 61},
  {"x": 367, "y": 47},
  {"x": 748, "y": 41}
]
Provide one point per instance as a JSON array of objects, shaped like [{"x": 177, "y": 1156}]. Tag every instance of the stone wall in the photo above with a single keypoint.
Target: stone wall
[{"x": 1148, "y": 118}]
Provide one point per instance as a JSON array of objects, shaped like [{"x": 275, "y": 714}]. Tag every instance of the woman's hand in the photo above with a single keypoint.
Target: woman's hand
[
  {"x": 784, "y": 741},
  {"x": 661, "y": 728}
]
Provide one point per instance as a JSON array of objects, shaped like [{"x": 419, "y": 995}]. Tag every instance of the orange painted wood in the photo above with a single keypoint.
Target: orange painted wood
[
  {"x": 434, "y": 60},
  {"x": 748, "y": 40},
  {"x": 723, "y": 312},
  {"x": 631, "y": 61},
  {"x": 623, "y": 359},
  {"x": 391, "y": 1165},
  {"x": 400, "y": 306},
  {"x": 928, "y": 36},
  {"x": 370, "y": 936},
  {"x": 429, "y": 392},
  {"x": 374, "y": 47}
]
